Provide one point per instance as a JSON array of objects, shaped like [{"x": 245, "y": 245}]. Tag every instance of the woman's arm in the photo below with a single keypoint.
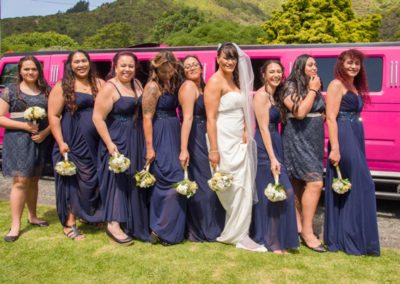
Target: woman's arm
[
  {"x": 55, "y": 108},
  {"x": 187, "y": 98},
  {"x": 151, "y": 94},
  {"x": 8, "y": 123},
  {"x": 307, "y": 102},
  {"x": 102, "y": 107},
  {"x": 212, "y": 98},
  {"x": 333, "y": 100},
  {"x": 262, "y": 105}
]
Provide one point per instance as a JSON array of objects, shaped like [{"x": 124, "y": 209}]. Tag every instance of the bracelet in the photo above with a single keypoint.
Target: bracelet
[{"x": 312, "y": 90}]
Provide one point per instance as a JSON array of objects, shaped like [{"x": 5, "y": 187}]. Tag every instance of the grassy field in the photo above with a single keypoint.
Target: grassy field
[{"x": 45, "y": 255}]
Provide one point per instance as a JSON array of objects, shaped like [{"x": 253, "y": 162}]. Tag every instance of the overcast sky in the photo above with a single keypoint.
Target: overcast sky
[{"x": 22, "y": 8}]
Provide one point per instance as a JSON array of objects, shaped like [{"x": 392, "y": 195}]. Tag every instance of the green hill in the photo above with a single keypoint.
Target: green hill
[{"x": 142, "y": 16}]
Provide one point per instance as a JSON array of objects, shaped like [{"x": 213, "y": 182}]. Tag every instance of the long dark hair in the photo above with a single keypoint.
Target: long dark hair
[
  {"x": 68, "y": 81},
  {"x": 231, "y": 53},
  {"x": 299, "y": 80},
  {"x": 41, "y": 82},
  {"x": 277, "y": 96},
  {"x": 116, "y": 57},
  {"x": 202, "y": 83},
  {"x": 360, "y": 81},
  {"x": 167, "y": 58}
]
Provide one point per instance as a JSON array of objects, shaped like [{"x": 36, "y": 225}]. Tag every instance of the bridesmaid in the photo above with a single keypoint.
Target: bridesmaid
[
  {"x": 350, "y": 219},
  {"x": 115, "y": 117},
  {"x": 162, "y": 133},
  {"x": 25, "y": 143},
  {"x": 70, "y": 111},
  {"x": 303, "y": 143},
  {"x": 205, "y": 215},
  {"x": 274, "y": 223}
]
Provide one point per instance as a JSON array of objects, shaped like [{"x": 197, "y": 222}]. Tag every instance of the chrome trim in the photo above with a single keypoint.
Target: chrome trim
[
  {"x": 385, "y": 174},
  {"x": 396, "y": 76},
  {"x": 56, "y": 75},
  {"x": 290, "y": 66},
  {"x": 204, "y": 71},
  {"x": 391, "y": 73}
]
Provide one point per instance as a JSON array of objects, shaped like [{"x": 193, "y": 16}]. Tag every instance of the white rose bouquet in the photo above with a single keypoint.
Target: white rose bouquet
[
  {"x": 118, "y": 163},
  {"x": 340, "y": 185},
  {"x": 186, "y": 187},
  {"x": 65, "y": 167},
  {"x": 34, "y": 114},
  {"x": 220, "y": 181},
  {"x": 275, "y": 192},
  {"x": 144, "y": 179}
]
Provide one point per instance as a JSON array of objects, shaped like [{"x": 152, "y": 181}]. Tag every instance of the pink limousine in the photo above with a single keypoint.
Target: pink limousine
[{"x": 381, "y": 117}]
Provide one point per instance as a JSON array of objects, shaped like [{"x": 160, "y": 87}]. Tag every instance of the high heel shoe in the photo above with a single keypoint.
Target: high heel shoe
[
  {"x": 319, "y": 248},
  {"x": 127, "y": 241}
]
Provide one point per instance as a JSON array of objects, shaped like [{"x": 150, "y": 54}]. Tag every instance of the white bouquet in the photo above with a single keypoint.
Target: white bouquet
[
  {"x": 186, "y": 187},
  {"x": 144, "y": 179},
  {"x": 34, "y": 113},
  {"x": 275, "y": 192},
  {"x": 66, "y": 167},
  {"x": 340, "y": 185},
  {"x": 220, "y": 181},
  {"x": 118, "y": 163}
]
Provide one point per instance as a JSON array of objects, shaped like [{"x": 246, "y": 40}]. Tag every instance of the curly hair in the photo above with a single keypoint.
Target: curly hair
[
  {"x": 360, "y": 81},
  {"x": 202, "y": 83},
  {"x": 68, "y": 81},
  {"x": 167, "y": 58},
  {"x": 277, "y": 96},
  {"x": 41, "y": 82},
  {"x": 231, "y": 53}
]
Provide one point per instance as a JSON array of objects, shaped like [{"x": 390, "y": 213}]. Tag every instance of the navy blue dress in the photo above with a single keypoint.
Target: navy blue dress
[
  {"x": 350, "y": 219},
  {"x": 205, "y": 214},
  {"x": 273, "y": 223},
  {"x": 167, "y": 207},
  {"x": 122, "y": 201},
  {"x": 79, "y": 193}
]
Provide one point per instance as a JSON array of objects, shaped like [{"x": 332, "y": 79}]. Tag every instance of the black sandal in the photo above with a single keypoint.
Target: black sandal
[{"x": 73, "y": 233}]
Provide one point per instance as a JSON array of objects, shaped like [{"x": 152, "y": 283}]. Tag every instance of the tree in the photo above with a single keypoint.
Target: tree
[
  {"x": 113, "y": 35},
  {"x": 319, "y": 21},
  {"x": 36, "y": 41},
  {"x": 182, "y": 20},
  {"x": 217, "y": 32},
  {"x": 81, "y": 6}
]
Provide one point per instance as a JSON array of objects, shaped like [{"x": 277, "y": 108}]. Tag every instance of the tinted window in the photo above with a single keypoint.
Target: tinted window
[
  {"x": 256, "y": 64},
  {"x": 373, "y": 66},
  {"x": 143, "y": 71},
  {"x": 102, "y": 68},
  {"x": 9, "y": 74}
]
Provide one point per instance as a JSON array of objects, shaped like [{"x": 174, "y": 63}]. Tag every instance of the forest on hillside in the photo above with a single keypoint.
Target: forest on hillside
[{"x": 196, "y": 22}]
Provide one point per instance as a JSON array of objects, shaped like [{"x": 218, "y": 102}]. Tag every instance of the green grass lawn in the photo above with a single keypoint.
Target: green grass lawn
[{"x": 45, "y": 255}]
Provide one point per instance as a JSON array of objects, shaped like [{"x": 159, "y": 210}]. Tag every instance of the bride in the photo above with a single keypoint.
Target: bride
[{"x": 230, "y": 125}]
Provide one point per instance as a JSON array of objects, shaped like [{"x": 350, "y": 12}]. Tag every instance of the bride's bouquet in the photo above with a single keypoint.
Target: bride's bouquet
[
  {"x": 144, "y": 179},
  {"x": 220, "y": 181},
  {"x": 340, "y": 185},
  {"x": 186, "y": 187},
  {"x": 118, "y": 163},
  {"x": 34, "y": 113},
  {"x": 275, "y": 192},
  {"x": 65, "y": 167}
]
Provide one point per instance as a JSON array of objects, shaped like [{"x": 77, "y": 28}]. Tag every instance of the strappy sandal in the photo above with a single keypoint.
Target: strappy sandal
[{"x": 73, "y": 233}]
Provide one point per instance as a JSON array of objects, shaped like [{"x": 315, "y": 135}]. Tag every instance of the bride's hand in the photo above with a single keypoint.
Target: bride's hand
[{"x": 213, "y": 157}]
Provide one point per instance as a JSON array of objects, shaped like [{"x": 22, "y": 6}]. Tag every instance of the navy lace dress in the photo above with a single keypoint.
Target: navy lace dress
[
  {"x": 21, "y": 156},
  {"x": 303, "y": 142},
  {"x": 350, "y": 219},
  {"x": 122, "y": 201},
  {"x": 205, "y": 214},
  {"x": 78, "y": 193},
  {"x": 167, "y": 207},
  {"x": 273, "y": 223}
]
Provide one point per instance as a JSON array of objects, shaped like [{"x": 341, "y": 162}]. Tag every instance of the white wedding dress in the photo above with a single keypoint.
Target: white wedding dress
[{"x": 235, "y": 159}]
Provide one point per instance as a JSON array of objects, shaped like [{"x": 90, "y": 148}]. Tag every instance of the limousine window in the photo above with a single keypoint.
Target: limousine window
[
  {"x": 9, "y": 74},
  {"x": 373, "y": 66},
  {"x": 102, "y": 68},
  {"x": 256, "y": 64}
]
